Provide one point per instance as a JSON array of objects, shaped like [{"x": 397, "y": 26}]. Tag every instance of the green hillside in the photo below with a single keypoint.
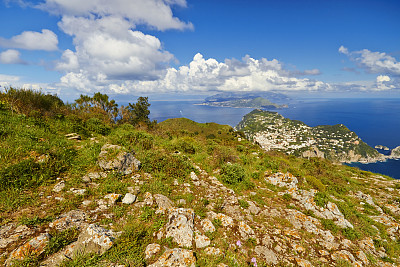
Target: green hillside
[{"x": 203, "y": 194}]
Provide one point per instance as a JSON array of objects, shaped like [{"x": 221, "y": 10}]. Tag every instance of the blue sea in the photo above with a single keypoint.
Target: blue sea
[{"x": 376, "y": 121}]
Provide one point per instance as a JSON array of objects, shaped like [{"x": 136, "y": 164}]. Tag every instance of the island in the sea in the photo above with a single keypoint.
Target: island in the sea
[
  {"x": 334, "y": 142},
  {"x": 262, "y": 100}
]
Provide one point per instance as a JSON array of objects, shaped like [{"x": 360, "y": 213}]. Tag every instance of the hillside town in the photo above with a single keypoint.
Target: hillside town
[{"x": 274, "y": 132}]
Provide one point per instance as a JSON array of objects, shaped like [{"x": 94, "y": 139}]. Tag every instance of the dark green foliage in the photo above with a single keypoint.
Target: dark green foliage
[
  {"x": 28, "y": 173},
  {"x": 329, "y": 225},
  {"x": 147, "y": 213},
  {"x": 232, "y": 173},
  {"x": 185, "y": 145},
  {"x": 139, "y": 112},
  {"x": 321, "y": 199},
  {"x": 171, "y": 166},
  {"x": 98, "y": 105},
  {"x": 350, "y": 233},
  {"x": 95, "y": 125}
]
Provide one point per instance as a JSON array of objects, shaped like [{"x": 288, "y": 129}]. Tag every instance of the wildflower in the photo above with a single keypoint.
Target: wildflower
[
  {"x": 254, "y": 261},
  {"x": 238, "y": 243}
]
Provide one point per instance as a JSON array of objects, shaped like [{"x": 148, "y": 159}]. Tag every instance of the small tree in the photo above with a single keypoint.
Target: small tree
[{"x": 139, "y": 112}]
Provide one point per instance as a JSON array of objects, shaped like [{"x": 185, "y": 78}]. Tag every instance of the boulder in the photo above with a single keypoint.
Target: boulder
[
  {"x": 246, "y": 231},
  {"x": 148, "y": 199},
  {"x": 73, "y": 218},
  {"x": 113, "y": 198},
  {"x": 93, "y": 176},
  {"x": 151, "y": 250},
  {"x": 201, "y": 240},
  {"x": 180, "y": 226},
  {"x": 176, "y": 257},
  {"x": 266, "y": 254},
  {"x": 9, "y": 236},
  {"x": 59, "y": 186},
  {"x": 113, "y": 157},
  {"x": 129, "y": 198},
  {"x": 94, "y": 239},
  {"x": 163, "y": 202},
  {"x": 207, "y": 225},
  {"x": 213, "y": 251}
]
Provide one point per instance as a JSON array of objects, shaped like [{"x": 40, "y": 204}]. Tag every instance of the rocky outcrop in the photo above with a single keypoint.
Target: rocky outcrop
[
  {"x": 180, "y": 226},
  {"x": 34, "y": 247},
  {"x": 113, "y": 157},
  {"x": 94, "y": 239},
  {"x": 176, "y": 257}
]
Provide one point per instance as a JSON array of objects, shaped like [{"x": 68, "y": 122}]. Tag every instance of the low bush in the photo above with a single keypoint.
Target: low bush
[{"x": 232, "y": 173}]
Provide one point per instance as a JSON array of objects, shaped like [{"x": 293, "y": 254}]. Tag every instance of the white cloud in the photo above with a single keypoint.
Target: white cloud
[
  {"x": 28, "y": 40},
  {"x": 154, "y": 13},
  {"x": 10, "y": 56},
  {"x": 384, "y": 82},
  {"x": 107, "y": 49},
  {"x": 343, "y": 50},
  {"x": 382, "y": 78},
  {"x": 203, "y": 75},
  {"x": 374, "y": 62}
]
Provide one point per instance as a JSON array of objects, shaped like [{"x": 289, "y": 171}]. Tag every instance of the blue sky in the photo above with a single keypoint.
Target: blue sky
[{"x": 137, "y": 47}]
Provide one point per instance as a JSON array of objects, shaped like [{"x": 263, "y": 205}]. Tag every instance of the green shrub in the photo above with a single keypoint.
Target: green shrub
[
  {"x": 350, "y": 233},
  {"x": 28, "y": 173},
  {"x": 315, "y": 183},
  {"x": 232, "y": 173},
  {"x": 329, "y": 225},
  {"x": 321, "y": 199},
  {"x": 96, "y": 125},
  {"x": 186, "y": 145},
  {"x": 171, "y": 166}
]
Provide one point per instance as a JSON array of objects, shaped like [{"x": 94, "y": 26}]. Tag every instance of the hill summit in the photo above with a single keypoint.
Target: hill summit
[{"x": 79, "y": 189}]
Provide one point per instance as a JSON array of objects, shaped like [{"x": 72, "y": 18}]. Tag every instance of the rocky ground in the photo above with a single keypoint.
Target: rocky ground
[{"x": 201, "y": 222}]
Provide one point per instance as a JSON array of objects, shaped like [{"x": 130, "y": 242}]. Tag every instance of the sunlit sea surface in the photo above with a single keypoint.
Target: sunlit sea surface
[{"x": 376, "y": 121}]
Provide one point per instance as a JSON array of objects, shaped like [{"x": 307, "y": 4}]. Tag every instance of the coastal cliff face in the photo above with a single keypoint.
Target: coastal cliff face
[{"x": 334, "y": 142}]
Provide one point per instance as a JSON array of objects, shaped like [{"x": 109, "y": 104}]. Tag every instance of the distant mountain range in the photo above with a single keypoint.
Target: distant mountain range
[{"x": 268, "y": 100}]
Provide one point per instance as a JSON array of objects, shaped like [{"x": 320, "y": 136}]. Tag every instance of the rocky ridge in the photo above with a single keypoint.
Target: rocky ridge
[{"x": 279, "y": 222}]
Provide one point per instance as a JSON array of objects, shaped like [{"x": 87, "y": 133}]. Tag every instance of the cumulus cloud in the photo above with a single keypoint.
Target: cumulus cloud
[
  {"x": 107, "y": 49},
  {"x": 11, "y": 56},
  {"x": 374, "y": 62},
  {"x": 154, "y": 13},
  {"x": 29, "y": 40},
  {"x": 383, "y": 78},
  {"x": 202, "y": 75},
  {"x": 384, "y": 82}
]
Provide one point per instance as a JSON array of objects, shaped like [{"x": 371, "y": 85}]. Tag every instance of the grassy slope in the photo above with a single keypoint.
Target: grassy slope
[{"x": 210, "y": 146}]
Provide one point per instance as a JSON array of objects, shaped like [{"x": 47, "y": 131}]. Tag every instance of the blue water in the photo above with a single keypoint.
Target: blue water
[{"x": 376, "y": 121}]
